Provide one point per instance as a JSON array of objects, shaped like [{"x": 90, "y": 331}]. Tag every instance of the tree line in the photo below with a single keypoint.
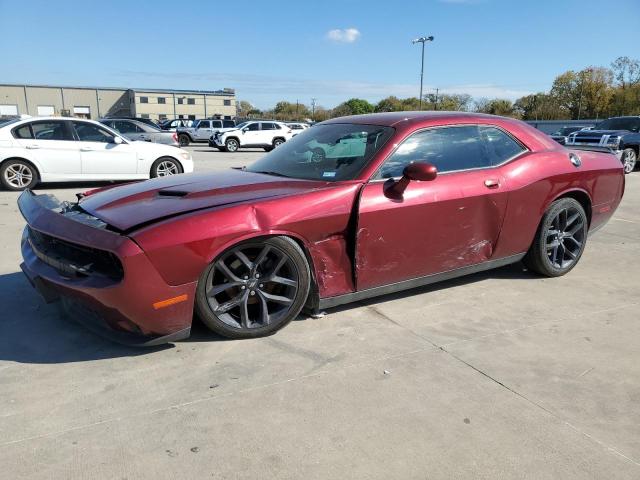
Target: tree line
[{"x": 593, "y": 92}]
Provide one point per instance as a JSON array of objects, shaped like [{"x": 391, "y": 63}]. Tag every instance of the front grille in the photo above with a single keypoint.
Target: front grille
[
  {"x": 588, "y": 140},
  {"x": 75, "y": 260}
]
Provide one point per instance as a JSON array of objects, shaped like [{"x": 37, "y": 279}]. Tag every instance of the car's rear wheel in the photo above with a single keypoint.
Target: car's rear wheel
[
  {"x": 18, "y": 175},
  {"x": 254, "y": 288},
  {"x": 277, "y": 142},
  {"x": 183, "y": 140},
  {"x": 629, "y": 159},
  {"x": 560, "y": 239},
  {"x": 165, "y": 166},
  {"x": 232, "y": 145}
]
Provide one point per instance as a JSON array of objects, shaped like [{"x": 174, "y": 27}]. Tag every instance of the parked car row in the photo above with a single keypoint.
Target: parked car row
[
  {"x": 136, "y": 130},
  {"x": 55, "y": 149}
]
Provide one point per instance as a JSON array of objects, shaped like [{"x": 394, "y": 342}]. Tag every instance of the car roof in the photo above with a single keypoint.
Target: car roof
[{"x": 391, "y": 119}]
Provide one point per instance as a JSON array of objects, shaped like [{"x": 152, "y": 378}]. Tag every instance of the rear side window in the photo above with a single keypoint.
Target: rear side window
[
  {"x": 23, "y": 132},
  {"x": 268, "y": 126},
  {"x": 50, "y": 131},
  {"x": 228, "y": 124},
  {"x": 88, "y": 132},
  {"x": 125, "y": 127},
  {"x": 500, "y": 146},
  {"x": 216, "y": 123}
]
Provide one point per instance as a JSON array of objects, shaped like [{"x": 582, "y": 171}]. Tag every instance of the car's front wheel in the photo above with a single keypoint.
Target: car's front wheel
[
  {"x": 560, "y": 239},
  {"x": 277, "y": 142},
  {"x": 18, "y": 175},
  {"x": 232, "y": 145},
  {"x": 165, "y": 166},
  {"x": 629, "y": 159},
  {"x": 254, "y": 288}
]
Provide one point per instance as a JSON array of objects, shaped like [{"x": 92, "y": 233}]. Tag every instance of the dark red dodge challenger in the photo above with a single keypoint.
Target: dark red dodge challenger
[{"x": 349, "y": 209}]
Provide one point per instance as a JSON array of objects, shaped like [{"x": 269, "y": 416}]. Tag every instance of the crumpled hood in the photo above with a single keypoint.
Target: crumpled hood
[{"x": 130, "y": 205}]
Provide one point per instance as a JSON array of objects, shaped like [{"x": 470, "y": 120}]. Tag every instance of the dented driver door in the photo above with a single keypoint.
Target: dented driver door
[
  {"x": 448, "y": 222},
  {"x": 451, "y": 222}
]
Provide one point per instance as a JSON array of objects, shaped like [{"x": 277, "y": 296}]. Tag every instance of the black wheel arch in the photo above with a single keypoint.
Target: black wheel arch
[{"x": 581, "y": 197}]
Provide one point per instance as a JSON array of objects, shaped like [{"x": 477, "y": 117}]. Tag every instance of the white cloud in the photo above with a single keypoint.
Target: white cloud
[{"x": 343, "y": 35}]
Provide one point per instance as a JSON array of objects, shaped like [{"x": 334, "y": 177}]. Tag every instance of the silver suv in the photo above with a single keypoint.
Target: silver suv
[{"x": 202, "y": 130}]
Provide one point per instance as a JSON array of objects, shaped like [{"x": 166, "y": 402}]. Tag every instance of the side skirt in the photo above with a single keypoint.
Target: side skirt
[{"x": 330, "y": 302}]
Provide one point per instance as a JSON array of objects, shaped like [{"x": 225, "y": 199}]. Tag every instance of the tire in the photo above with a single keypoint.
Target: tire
[
  {"x": 235, "y": 312},
  {"x": 268, "y": 149},
  {"x": 184, "y": 139},
  {"x": 277, "y": 142},
  {"x": 560, "y": 239},
  {"x": 232, "y": 145},
  {"x": 165, "y": 166},
  {"x": 629, "y": 160},
  {"x": 17, "y": 175}
]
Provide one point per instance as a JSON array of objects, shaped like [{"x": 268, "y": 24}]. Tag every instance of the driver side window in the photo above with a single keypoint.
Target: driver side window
[{"x": 448, "y": 148}]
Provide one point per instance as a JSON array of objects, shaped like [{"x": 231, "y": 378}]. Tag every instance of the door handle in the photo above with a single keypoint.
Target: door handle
[
  {"x": 33, "y": 147},
  {"x": 492, "y": 183},
  {"x": 86, "y": 149}
]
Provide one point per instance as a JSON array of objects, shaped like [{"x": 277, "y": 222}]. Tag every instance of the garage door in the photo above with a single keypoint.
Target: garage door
[
  {"x": 8, "y": 110},
  {"x": 45, "y": 110}
]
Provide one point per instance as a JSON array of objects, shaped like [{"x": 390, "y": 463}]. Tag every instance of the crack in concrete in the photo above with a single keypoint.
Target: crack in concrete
[{"x": 505, "y": 386}]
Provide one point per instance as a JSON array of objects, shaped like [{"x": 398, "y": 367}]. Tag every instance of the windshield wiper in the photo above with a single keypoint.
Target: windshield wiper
[{"x": 269, "y": 172}]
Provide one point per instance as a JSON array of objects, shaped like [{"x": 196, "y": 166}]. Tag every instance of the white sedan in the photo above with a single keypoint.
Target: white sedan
[{"x": 58, "y": 149}]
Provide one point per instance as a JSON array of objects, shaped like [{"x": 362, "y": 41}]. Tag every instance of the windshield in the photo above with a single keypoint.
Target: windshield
[
  {"x": 331, "y": 152},
  {"x": 242, "y": 125},
  {"x": 632, "y": 124}
]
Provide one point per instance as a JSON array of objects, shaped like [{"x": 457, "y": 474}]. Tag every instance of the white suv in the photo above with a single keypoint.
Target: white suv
[
  {"x": 267, "y": 135},
  {"x": 58, "y": 149}
]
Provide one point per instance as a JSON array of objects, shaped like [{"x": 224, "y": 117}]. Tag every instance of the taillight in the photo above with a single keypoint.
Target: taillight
[{"x": 174, "y": 136}]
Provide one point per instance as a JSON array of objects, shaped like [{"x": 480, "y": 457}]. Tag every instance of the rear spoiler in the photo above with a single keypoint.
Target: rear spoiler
[{"x": 591, "y": 148}]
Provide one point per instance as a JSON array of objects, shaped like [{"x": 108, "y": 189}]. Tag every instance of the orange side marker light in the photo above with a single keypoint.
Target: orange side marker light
[{"x": 170, "y": 301}]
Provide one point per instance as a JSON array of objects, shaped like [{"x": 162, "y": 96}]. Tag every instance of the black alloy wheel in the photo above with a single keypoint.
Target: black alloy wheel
[
  {"x": 254, "y": 288},
  {"x": 560, "y": 240}
]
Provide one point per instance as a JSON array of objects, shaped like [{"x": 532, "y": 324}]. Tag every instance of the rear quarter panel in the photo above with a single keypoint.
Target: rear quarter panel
[{"x": 537, "y": 179}]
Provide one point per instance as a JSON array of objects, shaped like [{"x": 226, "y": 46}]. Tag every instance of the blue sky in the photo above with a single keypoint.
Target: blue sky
[{"x": 296, "y": 50}]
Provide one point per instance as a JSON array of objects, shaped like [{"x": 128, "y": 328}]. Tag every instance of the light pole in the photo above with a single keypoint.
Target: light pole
[{"x": 422, "y": 40}]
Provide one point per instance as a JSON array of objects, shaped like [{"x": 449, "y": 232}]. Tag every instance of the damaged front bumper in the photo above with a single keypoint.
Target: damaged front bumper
[{"x": 102, "y": 279}]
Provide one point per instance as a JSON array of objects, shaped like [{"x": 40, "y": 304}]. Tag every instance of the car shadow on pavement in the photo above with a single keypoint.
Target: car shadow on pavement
[{"x": 33, "y": 332}]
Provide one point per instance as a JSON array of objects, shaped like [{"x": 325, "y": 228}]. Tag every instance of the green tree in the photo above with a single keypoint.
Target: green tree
[
  {"x": 244, "y": 108},
  {"x": 455, "y": 102},
  {"x": 290, "y": 111},
  {"x": 496, "y": 106},
  {"x": 354, "y": 106}
]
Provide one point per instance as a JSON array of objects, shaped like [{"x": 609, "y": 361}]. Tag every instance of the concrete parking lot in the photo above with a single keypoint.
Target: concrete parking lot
[{"x": 498, "y": 375}]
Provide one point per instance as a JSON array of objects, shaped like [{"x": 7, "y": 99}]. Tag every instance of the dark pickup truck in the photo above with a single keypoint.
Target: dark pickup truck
[{"x": 620, "y": 134}]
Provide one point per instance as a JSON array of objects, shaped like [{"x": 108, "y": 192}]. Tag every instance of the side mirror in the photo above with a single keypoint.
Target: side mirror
[
  {"x": 418, "y": 171},
  {"x": 245, "y": 130},
  {"x": 117, "y": 140}
]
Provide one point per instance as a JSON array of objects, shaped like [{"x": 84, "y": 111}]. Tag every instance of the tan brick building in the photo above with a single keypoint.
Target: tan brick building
[{"x": 98, "y": 102}]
